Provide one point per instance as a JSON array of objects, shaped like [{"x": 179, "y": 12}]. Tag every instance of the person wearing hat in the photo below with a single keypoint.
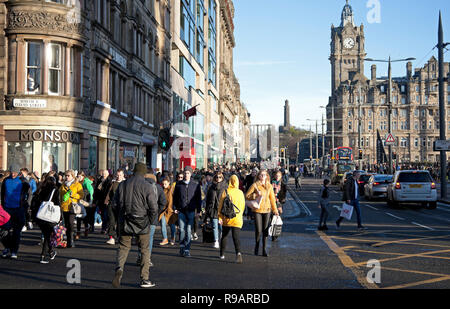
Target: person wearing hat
[
  {"x": 136, "y": 205},
  {"x": 187, "y": 198},
  {"x": 16, "y": 199}
]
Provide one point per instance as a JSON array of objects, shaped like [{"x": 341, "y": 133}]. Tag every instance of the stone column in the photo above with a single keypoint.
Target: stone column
[
  {"x": 45, "y": 66},
  {"x": 20, "y": 69},
  {"x": 67, "y": 69}
]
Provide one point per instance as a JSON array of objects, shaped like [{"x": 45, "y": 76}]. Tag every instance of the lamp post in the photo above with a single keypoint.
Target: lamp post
[
  {"x": 332, "y": 130},
  {"x": 390, "y": 100}
]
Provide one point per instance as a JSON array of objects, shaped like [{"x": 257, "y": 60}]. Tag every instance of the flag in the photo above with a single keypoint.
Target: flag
[
  {"x": 190, "y": 113},
  {"x": 381, "y": 153}
]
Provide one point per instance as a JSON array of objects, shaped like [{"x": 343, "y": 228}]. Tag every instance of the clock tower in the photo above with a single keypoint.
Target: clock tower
[{"x": 347, "y": 49}]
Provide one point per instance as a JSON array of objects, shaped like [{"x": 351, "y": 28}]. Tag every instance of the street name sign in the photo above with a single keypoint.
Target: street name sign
[{"x": 442, "y": 145}]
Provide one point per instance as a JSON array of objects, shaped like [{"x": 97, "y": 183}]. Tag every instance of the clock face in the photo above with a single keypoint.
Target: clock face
[{"x": 349, "y": 43}]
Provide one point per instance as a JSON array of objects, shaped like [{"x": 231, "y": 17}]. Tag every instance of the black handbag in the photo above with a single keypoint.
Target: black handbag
[{"x": 228, "y": 207}]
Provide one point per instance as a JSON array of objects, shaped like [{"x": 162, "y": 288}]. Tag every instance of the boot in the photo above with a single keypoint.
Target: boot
[
  {"x": 264, "y": 247},
  {"x": 86, "y": 232}
]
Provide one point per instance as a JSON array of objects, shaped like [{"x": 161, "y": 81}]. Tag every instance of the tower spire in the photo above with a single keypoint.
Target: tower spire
[{"x": 347, "y": 15}]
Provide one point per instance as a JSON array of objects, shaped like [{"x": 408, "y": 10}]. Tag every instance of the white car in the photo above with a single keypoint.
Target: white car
[{"x": 413, "y": 187}]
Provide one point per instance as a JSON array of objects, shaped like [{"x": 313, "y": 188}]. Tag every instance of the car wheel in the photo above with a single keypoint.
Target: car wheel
[{"x": 432, "y": 205}]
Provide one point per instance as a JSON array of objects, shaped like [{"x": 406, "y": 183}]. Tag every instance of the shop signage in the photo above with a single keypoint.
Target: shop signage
[
  {"x": 43, "y": 135},
  {"x": 30, "y": 103}
]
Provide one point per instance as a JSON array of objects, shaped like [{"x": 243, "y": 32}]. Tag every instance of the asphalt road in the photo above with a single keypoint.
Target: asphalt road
[{"x": 411, "y": 244}]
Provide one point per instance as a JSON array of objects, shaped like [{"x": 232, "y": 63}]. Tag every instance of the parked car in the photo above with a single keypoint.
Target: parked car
[
  {"x": 377, "y": 186},
  {"x": 413, "y": 187}
]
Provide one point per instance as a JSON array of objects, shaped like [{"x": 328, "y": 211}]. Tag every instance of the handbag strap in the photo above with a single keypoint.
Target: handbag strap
[{"x": 51, "y": 196}]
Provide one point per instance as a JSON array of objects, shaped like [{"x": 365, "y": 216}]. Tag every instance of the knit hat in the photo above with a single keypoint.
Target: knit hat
[
  {"x": 14, "y": 167},
  {"x": 189, "y": 169},
  {"x": 140, "y": 168}
]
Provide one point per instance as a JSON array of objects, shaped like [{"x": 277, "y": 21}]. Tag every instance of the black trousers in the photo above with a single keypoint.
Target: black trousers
[
  {"x": 112, "y": 222},
  {"x": 262, "y": 222},
  {"x": 88, "y": 220},
  {"x": 235, "y": 231},
  {"x": 69, "y": 224},
  {"x": 47, "y": 230}
]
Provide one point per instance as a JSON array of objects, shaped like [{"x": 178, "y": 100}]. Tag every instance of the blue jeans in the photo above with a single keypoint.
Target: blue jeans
[
  {"x": 217, "y": 229},
  {"x": 186, "y": 222},
  {"x": 173, "y": 229},
  {"x": 355, "y": 204},
  {"x": 152, "y": 233}
]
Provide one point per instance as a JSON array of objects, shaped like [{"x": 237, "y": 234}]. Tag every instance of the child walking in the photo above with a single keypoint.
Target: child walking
[{"x": 324, "y": 203}]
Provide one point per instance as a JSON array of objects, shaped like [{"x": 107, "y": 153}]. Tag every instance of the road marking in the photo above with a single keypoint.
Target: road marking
[
  {"x": 447, "y": 210},
  {"x": 389, "y": 214},
  {"x": 425, "y": 227},
  {"x": 402, "y": 286},
  {"x": 372, "y": 207},
  {"x": 347, "y": 261}
]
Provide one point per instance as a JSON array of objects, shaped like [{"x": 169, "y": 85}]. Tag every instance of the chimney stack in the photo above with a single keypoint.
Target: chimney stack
[
  {"x": 374, "y": 72},
  {"x": 409, "y": 70}
]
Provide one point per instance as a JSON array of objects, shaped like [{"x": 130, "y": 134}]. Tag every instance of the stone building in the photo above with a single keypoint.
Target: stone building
[
  {"x": 361, "y": 105},
  {"x": 85, "y": 84}
]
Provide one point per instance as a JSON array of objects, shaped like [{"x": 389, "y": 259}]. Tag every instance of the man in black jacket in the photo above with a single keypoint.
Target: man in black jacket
[
  {"x": 101, "y": 190},
  {"x": 136, "y": 204},
  {"x": 187, "y": 198},
  {"x": 351, "y": 197}
]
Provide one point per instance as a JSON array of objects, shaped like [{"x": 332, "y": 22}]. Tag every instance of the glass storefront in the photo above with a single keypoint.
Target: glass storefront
[
  {"x": 93, "y": 155},
  {"x": 112, "y": 151},
  {"x": 199, "y": 156},
  {"x": 53, "y": 157},
  {"x": 20, "y": 153},
  {"x": 128, "y": 156},
  {"x": 74, "y": 157}
]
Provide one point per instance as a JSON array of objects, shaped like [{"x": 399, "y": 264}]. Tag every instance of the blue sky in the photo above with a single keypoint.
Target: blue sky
[{"x": 282, "y": 49}]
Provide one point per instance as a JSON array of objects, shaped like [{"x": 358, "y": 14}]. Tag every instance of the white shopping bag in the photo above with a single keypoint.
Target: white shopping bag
[
  {"x": 276, "y": 226},
  {"x": 347, "y": 211}
]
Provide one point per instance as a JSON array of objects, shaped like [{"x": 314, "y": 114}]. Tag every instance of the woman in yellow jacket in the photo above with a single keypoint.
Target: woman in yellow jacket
[
  {"x": 71, "y": 191},
  {"x": 234, "y": 225},
  {"x": 262, "y": 188}
]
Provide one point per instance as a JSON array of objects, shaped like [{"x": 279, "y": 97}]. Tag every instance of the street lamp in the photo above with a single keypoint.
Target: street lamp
[
  {"x": 332, "y": 129},
  {"x": 390, "y": 99}
]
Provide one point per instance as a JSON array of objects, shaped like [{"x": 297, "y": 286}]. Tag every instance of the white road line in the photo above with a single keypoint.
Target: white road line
[
  {"x": 447, "y": 210},
  {"x": 389, "y": 214},
  {"x": 372, "y": 207},
  {"x": 425, "y": 227}
]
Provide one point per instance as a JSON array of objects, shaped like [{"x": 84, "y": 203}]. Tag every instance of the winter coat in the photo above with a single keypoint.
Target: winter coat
[
  {"x": 213, "y": 198},
  {"x": 168, "y": 212},
  {"x": 162, "y": 201},
  {"x": 238, "y": 199},
  {"x": 281, "y": 194},
  {"x": 16, "y": 193},
  {"x": 187, "y": 197},
  {"x": 101, "y": 191},
  {"x": 136, "y": 204},
  {"x": 88, "y": 190},
  {"x": 268, "y": 202},
  {"x": 77, "y": 194}
]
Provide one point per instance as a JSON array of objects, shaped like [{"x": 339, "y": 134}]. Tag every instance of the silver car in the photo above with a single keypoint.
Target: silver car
[
  {"x": 377, "y": 186},
  {"x": 413, "y": 187}
]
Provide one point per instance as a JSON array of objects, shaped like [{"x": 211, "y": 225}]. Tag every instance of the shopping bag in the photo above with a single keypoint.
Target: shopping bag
[
  {"x": 59, "y": 237},
  {"x": 49, "y": 212},
  {"x": 347, "y": 211},
  {"x": 276, "y": 226},
  {"x": 79, "y": 210},
  {"x": 4, "y": 216},
  {"x": 254, "y": 204}
]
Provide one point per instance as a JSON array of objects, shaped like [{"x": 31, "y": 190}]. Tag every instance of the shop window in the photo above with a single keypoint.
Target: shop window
[
  {"x": 93, "y": 154},
  {"x": 33, "y": 67},
  {"x": 128, "y": 157},
  {"x": 112, "y": 151},
  {"x": 54, "y": 70},
  {"x": 53, "y": 157},
  {"x": 74, "y": 157},
  {"x": 20, "y": 153}
]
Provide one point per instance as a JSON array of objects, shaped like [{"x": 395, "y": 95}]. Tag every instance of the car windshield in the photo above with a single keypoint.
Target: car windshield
[
  {"x": 344, "y": 168},
  {"x": 383, "y": 178},
  {"x": 414, "y": 177}
]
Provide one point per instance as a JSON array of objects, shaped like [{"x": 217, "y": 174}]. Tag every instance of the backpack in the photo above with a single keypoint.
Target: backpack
[{"x": 228, "y": 207}]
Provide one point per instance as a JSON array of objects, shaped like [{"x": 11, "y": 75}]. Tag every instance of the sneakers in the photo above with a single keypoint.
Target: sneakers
[
  {"x": 195, "y": 236},
  {"x": 151, "y": 264},
  {"x": 172, "y": 242},
  {"x": 186, "y": 254},
  {"x": 44, "y": 260},
  {"x": 222, "y": 257},
  {"x": 30, "y": 226},
  {"x": 117, "y": 278},
  {"x": 216, "y": 245},
  {"x": 239, "y": 258},
  {"x": 111, "y": 241},
  {"x": 52, "y": 255},
  {"x": 338, "y": 225},
  {"x": 165, "y": 242},
  {"x": 362, "y": 228},
  {"x": 14, "y": 256},
  {"x": 6, "y": 254},
  {"x": 147, "y": 284},
  {"x": 24, "y": 229}
]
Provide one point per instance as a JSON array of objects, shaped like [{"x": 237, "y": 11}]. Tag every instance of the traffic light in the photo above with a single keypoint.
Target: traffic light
[
  {"x": 360, "y": 154},
  {"x": 164, "y": 139}
]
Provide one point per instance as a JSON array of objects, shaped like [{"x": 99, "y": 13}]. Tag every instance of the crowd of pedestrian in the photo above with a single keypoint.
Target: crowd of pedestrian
[{"x": 130, "y": 207}]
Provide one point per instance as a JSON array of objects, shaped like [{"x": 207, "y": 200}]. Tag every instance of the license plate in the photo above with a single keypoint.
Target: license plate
[{"x": 415, "y": 186}]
